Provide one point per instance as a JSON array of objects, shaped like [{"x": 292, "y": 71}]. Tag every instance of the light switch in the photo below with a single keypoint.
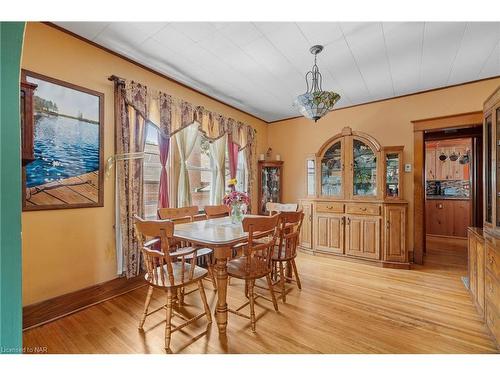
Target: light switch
[{"x": 407, "y": 168}]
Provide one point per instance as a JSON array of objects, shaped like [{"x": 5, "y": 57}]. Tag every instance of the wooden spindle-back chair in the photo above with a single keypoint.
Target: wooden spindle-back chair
[
  {"x": 286, "y": 249},
  {"x": 256, "y": 262},
  {"x": 273, "y": 208},
  {"x": 169, "y": 269},
  {"x": 185, "y": 215}
]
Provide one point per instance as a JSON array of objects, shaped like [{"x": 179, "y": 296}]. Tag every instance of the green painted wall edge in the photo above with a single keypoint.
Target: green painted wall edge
[{"x": 11, "y": 42}]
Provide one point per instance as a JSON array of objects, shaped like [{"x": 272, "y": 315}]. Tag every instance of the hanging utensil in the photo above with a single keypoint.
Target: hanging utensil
[
  {"x": 453, "y": 156},
  {"x": 465, "y": 158},
  {"x": 443, "y": 156}
]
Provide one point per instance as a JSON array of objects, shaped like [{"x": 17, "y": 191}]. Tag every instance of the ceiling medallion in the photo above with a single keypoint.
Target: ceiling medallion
[{"x": 315, "y": 103}]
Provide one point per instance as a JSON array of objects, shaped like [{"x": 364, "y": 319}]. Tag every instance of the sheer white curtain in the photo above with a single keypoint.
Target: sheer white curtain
[
  {"x": 218, "y": 154},
  {"x": 242, "y": 173},
  {"x": 186, "y": 140}
]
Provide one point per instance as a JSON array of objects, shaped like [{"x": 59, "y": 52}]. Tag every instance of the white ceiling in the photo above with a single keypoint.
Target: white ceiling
[{"x": 259, "y": 67}]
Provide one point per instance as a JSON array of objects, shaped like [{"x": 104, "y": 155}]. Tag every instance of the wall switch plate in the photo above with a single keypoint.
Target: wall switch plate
[{"x": 407, "y": 167}]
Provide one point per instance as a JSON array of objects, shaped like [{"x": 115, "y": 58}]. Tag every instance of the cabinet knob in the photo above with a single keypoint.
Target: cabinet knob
[
  {"x": 387, "y": 224},
  {"x": 348, "y": 221},
  {"x": 363, "y": 209}
]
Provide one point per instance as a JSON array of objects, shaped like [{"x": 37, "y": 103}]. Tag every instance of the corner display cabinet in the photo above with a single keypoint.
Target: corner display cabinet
[
  {"x": 354, "y": 206},
  {"x": 270, "y": 174},
  {"x": 484, "y": 245}
]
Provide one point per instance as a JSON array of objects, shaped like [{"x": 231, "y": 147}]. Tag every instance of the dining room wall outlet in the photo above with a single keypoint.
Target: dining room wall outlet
[{"x": 407, "y": 168}]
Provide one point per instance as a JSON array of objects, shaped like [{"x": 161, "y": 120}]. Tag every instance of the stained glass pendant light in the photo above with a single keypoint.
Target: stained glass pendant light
[{"x": 315, "y": 103}]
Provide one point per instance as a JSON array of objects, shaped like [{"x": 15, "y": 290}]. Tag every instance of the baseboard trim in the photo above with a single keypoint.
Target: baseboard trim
[{"x": 52, "y": 309}]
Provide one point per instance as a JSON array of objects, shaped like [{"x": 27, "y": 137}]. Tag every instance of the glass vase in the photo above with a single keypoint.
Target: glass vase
[{"x": 236, "y": 213}]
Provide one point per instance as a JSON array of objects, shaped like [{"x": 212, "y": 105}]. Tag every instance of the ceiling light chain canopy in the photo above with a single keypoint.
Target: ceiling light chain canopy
[{"x": 315, "y": 103}]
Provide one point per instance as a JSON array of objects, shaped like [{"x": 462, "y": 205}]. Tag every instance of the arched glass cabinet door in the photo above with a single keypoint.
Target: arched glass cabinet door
[
  {"x": 364, "y": 170},
  {"x": 332, "y": 166}
]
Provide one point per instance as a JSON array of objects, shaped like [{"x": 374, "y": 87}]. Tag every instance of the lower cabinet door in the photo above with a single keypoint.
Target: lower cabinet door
[
  {"x": 371, "y": 238},
  {"x": 336, "y": 224},
  {"x": 306, "y": 231},
  {"x": 362, "y": 236},
  {"x": 480, "y": 275},
  {"x": 330, "y": 233},
  {"x": 395, "y": 236},
  {"x": 354, "y": 236}
]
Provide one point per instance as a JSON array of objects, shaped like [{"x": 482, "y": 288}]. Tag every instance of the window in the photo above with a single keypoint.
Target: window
[
  {"x": 152, "y": 168},
  {"x": 201, "y": 168}
]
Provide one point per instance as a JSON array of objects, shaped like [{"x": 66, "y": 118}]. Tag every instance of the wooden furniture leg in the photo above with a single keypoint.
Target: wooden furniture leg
[
  {"x": 294, "y": 265},
  {"x": 211, "y": 272},
  {"x": 282, "y": 282},
  {"x": 271, "y": 290},
  {"x": 168, "y": 319},
  {"x": 221, "y": 269},
  {"x": 146, "y": 306},
  {"x": 252, "y": 304},
  {"x": 205, "y": 302}
]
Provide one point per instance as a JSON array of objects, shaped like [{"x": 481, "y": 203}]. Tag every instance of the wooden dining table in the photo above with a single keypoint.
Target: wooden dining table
[{"x": 221, "y": 235}]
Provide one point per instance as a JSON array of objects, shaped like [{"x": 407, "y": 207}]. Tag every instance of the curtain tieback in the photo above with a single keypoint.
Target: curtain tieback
[{"x": 121, "y": 157}]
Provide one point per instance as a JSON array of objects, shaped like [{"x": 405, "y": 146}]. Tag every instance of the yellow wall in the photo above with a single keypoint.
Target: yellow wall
[
  {"x": 67, "y": 250},
  {"x": 388, "y": 121}
]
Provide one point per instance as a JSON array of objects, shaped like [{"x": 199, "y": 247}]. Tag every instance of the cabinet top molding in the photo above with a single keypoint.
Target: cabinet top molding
[{"x": 347, "y": 131}]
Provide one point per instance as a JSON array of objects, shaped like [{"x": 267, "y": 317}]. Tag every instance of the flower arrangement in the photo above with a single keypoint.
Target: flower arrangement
[
  {"x": 236, "y": 197},
  {"x": 232, "y": 182},
  {"x": 239, "y": 202}
]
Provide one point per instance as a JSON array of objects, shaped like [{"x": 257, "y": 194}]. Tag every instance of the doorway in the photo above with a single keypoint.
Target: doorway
[{"x": 444, "y": 129}]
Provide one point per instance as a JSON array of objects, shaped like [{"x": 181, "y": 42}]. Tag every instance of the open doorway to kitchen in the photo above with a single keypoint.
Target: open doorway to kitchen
[
  {"x": 439, "y": 180},
  {"x": 453, "y": 192}
]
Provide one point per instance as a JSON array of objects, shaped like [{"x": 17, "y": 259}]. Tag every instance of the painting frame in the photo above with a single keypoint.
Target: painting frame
[{"x": 100, "y": 172}]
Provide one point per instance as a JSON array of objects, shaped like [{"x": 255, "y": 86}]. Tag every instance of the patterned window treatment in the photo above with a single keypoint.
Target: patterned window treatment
[
  {"x": 164, "y": 146},
  {"x": 135, "y": 105}
]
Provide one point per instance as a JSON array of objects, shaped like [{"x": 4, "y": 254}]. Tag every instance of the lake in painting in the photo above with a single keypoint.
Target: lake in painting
[{"x": 67, "y": 158}]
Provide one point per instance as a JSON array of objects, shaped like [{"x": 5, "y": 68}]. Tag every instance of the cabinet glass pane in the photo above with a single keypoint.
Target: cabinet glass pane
[
  {"x": 311, "y": 176},
  {"x": 331, "y": 171},
  {"x": 392, "y": 175},
  {"x": 497, "y": 190},
  {"x": 364, "y": 170},
  {"x": 270, "y": 186},
  {"x": 488, "y": 165}
]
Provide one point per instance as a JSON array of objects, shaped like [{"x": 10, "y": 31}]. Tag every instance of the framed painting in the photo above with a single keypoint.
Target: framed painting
[{"x": 67, "y": 170}]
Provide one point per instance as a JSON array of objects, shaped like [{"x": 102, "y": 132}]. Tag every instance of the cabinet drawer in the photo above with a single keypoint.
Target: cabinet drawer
[
  {"x": 335, "y": 207},
  {"x": 492, "y": 260},
  {"x": 493, "y": 320},
  {"x": 363, "y": 209},
  {"x": 492, "y": 291}
]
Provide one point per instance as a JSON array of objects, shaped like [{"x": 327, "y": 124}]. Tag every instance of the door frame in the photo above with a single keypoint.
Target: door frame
[
  {"x": 11, "y": 42},
  {"x": 420, "y": 127}
]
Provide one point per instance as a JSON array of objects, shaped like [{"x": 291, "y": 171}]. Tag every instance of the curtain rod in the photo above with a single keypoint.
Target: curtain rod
[{"x": 116, "y": 79}]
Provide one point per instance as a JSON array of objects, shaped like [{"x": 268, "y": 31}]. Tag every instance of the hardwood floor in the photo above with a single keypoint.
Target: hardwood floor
[{"x": 343, "y": 308}]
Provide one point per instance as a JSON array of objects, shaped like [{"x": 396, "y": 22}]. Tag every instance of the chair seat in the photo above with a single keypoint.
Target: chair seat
[
  {"x": 199, "y": 253},
  {"x": 255, "y": 270},
  {"x": 198, "y": 273}
]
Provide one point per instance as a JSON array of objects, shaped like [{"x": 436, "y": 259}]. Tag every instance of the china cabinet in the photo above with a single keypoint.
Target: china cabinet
[
  {"x": 484, "y": 245},
  {"x": 355, "y": 208},
  {"x": 270, "y": 177}
]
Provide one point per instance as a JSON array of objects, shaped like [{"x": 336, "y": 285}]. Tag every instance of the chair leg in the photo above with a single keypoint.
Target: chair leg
[
  {"x": 146, "y": 306},
  {"x": 180, "y": 296},
  {"x": 282, "y": 282},
  {"x": 204, "y": 299},
  {"x": 211, "y": 272},
  {"x": 294, "y": 266},
  {"x": 271, "y": 290},
  {"x": 246, "y": 288},
  {"x": 168, "y": 324},
  {"x": 252, "y": 304}
]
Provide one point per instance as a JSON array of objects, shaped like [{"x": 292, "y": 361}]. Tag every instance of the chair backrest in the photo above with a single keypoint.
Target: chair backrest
[
  {"x": 160, "y": 263},
  {"x": 259, "y": 253},
  {"x": 272, "y": 207},
  {"x": 178, "y": 213},
  {"x": 214, "y": 212},
  {"x": 290, "y": 225}
]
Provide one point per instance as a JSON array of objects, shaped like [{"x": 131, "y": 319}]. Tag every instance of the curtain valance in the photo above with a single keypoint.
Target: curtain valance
[{"x": 173, "y": 114}]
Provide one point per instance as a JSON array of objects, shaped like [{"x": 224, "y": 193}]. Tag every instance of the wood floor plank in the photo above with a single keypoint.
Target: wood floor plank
[{"x": 344, "y": 307}]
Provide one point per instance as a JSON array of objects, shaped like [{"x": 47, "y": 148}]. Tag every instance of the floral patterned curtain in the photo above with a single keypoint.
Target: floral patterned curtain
[{"x": 135, "y": 106}]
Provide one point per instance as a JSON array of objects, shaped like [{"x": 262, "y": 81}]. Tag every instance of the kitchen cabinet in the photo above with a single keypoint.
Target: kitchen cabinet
[
  {"x": 430, "y": 164},
  {"x": 447, "y": 217},
  {"x": 306, "y": 231},
  {"x": 395, "y": 233}
]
